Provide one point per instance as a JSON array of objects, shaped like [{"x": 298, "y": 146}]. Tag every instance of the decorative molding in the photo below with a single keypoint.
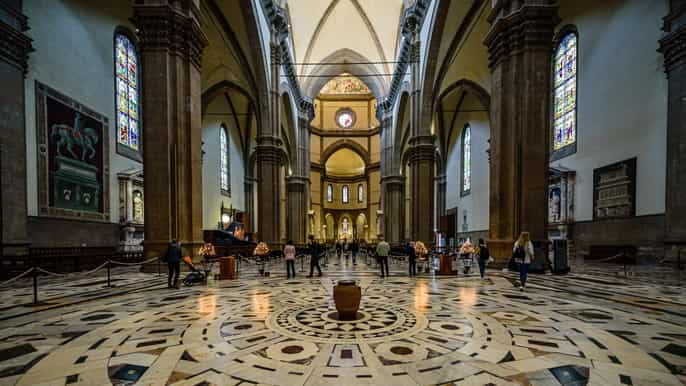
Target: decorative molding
[
  {"x": 345, "y": 133},
  {"x": 530, "y": 26},
  {"x": 412, "y": 21},
  {"x": 165, "y": 28}
]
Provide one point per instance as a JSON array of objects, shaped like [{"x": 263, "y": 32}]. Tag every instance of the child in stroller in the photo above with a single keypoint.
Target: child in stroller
[{"x": 196, "y": 276}]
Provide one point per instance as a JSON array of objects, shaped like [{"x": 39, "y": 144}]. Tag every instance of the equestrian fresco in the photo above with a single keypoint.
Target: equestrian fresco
[{"x": 73, "y": 143}]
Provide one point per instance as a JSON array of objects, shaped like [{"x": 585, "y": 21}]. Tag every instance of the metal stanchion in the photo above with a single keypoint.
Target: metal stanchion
[
  {"x": 35, "y": 285},
  {"x": 109, "y": 284}
]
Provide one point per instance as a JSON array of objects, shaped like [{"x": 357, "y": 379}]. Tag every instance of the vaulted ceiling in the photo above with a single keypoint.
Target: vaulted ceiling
[{"x": 367, "y": 27}]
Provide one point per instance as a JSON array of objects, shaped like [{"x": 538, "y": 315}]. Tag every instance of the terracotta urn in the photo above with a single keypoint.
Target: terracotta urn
[{"x": 347, "y": 295}]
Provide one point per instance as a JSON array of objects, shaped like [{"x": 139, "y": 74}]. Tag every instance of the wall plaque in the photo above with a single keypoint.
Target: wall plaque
[{"x": 614, "y": 190}]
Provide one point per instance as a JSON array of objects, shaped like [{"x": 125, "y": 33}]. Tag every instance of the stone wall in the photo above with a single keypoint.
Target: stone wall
[
  {"x": 646, "y": 233},
  {"x": 53, "y": 232}
]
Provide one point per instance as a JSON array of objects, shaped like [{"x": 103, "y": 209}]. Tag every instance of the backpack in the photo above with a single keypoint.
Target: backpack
[
  {"x": 519, "y": 254},
  {"x": 484, "y": 254}
]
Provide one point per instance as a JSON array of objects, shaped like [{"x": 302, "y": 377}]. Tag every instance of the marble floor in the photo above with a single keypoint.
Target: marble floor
[{"x": 593, "y": 326}]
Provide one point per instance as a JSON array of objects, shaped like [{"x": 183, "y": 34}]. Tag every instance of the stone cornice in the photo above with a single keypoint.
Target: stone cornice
[
  {"x": 15, "y": 46},
  {"x": 345, "y": 132},
  {"x": 162, "y": 27},
  {"x": 531, "y": 26}
]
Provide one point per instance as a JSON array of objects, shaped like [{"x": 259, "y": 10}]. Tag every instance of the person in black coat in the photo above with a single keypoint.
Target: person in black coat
[
  {"x": 173, "y": 259},
  {"x": 315, "y": 251},
  {"x": 412, "y": 258}
]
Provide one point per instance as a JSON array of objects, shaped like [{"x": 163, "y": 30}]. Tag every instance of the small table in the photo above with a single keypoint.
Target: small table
[{"x": 446, "y": 265}]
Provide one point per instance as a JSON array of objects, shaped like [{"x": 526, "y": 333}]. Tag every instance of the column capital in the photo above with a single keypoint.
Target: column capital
[
  {"x": 516, "y": 26},
  {"x": 15, "y": 46},
  {"x": 393, "y": 180},
  {"x": 166, "y": 27}
]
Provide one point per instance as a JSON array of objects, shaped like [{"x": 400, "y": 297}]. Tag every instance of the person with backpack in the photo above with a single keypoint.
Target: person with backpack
[
  {"x": 483, "y": 257},
  {"x": 289, "y": 253},
  {"x": 523, "y": 254},
  {"x": 173, "y": 259}
]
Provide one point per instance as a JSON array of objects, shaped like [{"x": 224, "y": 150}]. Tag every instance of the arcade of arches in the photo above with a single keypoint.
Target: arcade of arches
[{"x": 125, "y": 125}]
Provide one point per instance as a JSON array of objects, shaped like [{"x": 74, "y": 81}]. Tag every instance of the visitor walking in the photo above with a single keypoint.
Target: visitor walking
[
  {"x": 346, "y": 250},
  {"x": 339, "y": 247},
  {"x": 289, "y": 253},
  {"x": 173, "y": 259},
  {"x": 483, "y": 257},
  {"x": 354, "y": 249},
  {"x": 382, "y": 251},
  {"x": 523, "y": 253},
  {"x": 412, "y": 258},
  {"x": 315, "y": 251}
]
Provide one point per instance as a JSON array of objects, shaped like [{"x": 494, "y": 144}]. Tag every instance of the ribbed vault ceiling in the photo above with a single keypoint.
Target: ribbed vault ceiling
[{"x": 367, "y": 27}]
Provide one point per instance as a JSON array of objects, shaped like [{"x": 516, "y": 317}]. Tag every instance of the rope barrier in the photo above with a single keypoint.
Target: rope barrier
[
  {"x": 12, "y": 280},
  {"x": 132, "y": 264}
]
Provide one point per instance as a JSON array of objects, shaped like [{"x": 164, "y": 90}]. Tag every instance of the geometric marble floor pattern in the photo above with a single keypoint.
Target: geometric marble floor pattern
[{"x": 410, "y": 331}]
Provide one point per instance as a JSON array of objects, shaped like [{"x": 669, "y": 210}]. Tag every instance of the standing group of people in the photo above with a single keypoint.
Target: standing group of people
[{"x": 522, "y": 254}]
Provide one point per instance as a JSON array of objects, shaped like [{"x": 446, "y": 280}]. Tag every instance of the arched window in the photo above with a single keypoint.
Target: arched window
[
  {"x": 564, "y": 94},
  {"x": 224, "y": 161},
  {"x": 344, "y": 194},
  {"x": 466, "y": 160},
  {"x": 127, "y": 95},
  {"x": 360, "y": 193},
  {"x": 345, "y": 226},
  {"x": 329, "y": 193}
]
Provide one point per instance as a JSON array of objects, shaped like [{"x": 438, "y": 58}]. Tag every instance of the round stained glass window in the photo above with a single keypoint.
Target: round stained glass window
[{"x": 345, "y": 118}]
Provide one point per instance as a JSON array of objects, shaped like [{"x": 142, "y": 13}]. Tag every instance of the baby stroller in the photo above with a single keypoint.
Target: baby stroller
[{"x": 195, "y": 276}]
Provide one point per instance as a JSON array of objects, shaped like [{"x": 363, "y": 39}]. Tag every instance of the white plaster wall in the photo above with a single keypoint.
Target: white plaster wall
[
  {"x": 475, "y": 203},
  {"x": 211, "y": 189},
  {"x": 622, "y": 97},
  {"x": 74, "y": 54}
]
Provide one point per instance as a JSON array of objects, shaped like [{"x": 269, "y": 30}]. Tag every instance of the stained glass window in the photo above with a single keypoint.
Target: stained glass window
[
  {"x": 345, "y": 226},
  {"x": 344, "y": 194},
  {"x": 224, "y": 160},
  {"x": 329, "y": 193},
  {"x": 467, "y": 160},
  {"x": 128, "y": 124},
  {"x": 564, "y": 86},
  {"x": 360, "y": 193}
]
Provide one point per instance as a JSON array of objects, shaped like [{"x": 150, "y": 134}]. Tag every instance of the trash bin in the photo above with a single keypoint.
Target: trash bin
[
  {"x": 227, "y": 268},
  {"x": 560, "y": 264}
]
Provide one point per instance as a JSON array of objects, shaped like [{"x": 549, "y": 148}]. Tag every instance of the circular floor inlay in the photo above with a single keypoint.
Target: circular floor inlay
[
  {"x": 292, "y": 349},
  {"x": 400, "y": 350}
]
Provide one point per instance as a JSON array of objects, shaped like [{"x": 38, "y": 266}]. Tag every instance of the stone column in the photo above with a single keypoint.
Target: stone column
[
  {"x": 520, "y": 49},
  {"x": 171, "y": 54},
  {"x": 440, "y": 186},
  {"x": 15, "y": 47},
  {"x": 393, "y": 208},
  {"x": 268, "y": 151},
  {"x": 249, "y": 187},
  {"x": 673, "y": 46},
  {"x": 422, "y": 153},
  {"x": 298, "y": 185}
]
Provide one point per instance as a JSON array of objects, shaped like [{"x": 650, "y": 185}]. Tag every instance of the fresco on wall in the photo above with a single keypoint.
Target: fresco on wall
[
  {"x": 345, "y": 84},
  {"x": 73, "y": 154}
]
